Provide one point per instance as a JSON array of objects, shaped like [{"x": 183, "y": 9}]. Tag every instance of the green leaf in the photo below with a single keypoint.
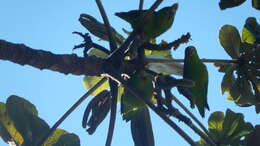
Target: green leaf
[
  {"x": 120, "y": 92},
  {"x": 90, "y": 81},
  {"x": 228, "y": 130},
  {"x": 54, "y": 137},
  {"x": 8, "y": 126},
  {"x": 98, "y": 29},
  {"x": 223, "y": 4},
  {"x": 230, "y": 40},
  {"x": 242, "y": 130},
  {"x": 230, "y": 122},
  {"x": 68, "y": 139},
  {"x": 256, "y": 4},
  {"x": 227, "y": 81},
  {"x": 141, "y": 128},
  {"x": 215, "y": 121},
  {"x": 61, "y": 137},
  {"x": 235, "y": 90},
  {"x": 247, "y": 97},
  {"x": 21, "y": 103},
  {"x": 234, "y": 126},
  {"x": 25, "y": 119},
  {"x": 4, "y": 134}
]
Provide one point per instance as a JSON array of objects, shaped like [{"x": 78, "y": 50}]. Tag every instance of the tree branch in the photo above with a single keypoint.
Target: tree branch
[
  {"x": 112, "y": 121},
  {"x": 70, "y": 110},
  {"x": 112, "y": 41},
  {"x": 63, "y": 63},
  {"x": 158, "y": 60},
  {"x": 141, "y": 4}
]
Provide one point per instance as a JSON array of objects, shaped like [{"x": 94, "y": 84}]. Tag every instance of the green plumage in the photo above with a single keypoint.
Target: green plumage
[
  {"x": 195, "y": 70},
  {"x": 251, "y": 31},
  {"x": 158, "y": 23}
]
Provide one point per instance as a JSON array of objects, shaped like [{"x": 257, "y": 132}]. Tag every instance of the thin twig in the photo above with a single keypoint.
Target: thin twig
[
  {"x": 123, "y": 47},
  {"x": 196, "y": 120},
  {"x": 161, "y": 47},
  {"x": 113, "y": 91},
  {"x": 158, "y": 60},
  {"x": 112, "y": 41},
  {"x": 158, "y": 112},
  {"x": 189, "y": 123},
  {"x": 71, "y": 109},
  {"x": 141, "y": 4},
  {"x": 190, "y": 114}
]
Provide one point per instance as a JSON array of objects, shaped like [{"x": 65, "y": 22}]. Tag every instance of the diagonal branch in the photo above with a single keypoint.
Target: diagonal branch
[
  {"x": 191, "y": 115},
  {"x": 141, "y": 4},
  {"x": 63, "y": 63},
  {"x": 158, "y": 60},
  {"x": 112, "y": 41},
  {"x": 70, "y": 110}
]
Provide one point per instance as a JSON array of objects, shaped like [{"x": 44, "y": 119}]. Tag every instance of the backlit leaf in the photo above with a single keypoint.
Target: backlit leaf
[
  {"x": 230, "y": 40},
  {"x": 90, "y": 81},
  {"x": 215, "y": 121}
]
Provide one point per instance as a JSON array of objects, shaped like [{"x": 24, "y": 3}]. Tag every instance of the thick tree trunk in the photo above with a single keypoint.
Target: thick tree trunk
[{"x": 63, "y": 63}]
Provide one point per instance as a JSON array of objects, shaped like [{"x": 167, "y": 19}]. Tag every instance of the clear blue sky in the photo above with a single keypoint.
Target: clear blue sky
[{"x": 48, "y": 25}]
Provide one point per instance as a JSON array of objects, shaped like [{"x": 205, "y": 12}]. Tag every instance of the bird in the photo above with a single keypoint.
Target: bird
[
  {"x": 251, "y": 31},
  {"x": 158, "y": 23},
  {"x": 195, "y": 70}
]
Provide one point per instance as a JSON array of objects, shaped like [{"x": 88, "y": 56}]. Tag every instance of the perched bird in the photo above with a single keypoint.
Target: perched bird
[
  {"x": 158, "y": 23},
  {"x": 251, "y": 31},
  {"x": 196, "y": 71}
]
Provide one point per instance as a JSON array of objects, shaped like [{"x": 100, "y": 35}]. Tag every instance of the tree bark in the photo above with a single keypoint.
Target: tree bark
[{"x": 63, "y": 63}]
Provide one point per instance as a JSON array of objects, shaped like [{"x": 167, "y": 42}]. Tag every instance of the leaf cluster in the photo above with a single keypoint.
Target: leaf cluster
[
  {"x": 241, "y": 80},
  {"x": 229, "y": 129},
  {"x": 224, "y": 4},
  {"x": 20, "y": 124}
]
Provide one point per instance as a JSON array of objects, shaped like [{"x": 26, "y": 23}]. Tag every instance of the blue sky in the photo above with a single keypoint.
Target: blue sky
[{"x": 48, "y": 25}]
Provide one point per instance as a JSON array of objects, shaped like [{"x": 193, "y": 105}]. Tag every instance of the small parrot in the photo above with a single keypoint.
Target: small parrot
[
  {"x": 158, "y": 23},
  {"x": 196, "y": 71},
  {"x": 251, "y": 31}
]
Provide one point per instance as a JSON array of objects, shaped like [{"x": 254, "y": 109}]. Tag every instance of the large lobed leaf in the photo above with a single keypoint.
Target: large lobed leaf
[
  {"x": 8, "y": 130},
  {"x": 228, "y": 130},
  {"x": 61, "y": 137},
  {"x": 19, "y": 122},
  {"x": 25, "y": 118},
  {"x": 90, "y": 81}
]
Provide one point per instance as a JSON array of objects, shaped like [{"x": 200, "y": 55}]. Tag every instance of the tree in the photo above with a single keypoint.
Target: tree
[{"x": 171, "y": 40}]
